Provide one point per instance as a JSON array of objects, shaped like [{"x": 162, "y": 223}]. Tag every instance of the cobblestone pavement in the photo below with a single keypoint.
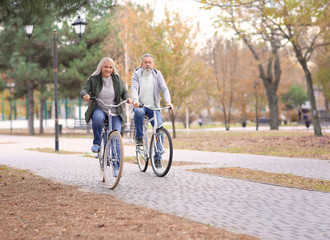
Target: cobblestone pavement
[{"x": 260, "y": 210}]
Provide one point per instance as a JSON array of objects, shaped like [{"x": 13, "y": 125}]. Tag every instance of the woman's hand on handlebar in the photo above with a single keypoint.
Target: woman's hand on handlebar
[{"x": 86, "y": 97}]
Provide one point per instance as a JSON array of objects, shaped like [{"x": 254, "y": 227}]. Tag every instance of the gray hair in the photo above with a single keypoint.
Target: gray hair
[
  {"x": 99, "y": 66},
  {"x": 146, "y": 55}
]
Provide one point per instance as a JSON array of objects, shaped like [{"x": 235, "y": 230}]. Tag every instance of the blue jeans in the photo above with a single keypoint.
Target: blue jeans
[
  {"x": 138, "y": 121},
  {"x": 98, "y": 119},
  {"x": 139, "y": 116}
]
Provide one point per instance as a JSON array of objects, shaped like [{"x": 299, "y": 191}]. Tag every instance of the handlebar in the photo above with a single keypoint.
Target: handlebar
[
  {"x": 95, "y": 98},
  {"x": 153, "y": 108}
]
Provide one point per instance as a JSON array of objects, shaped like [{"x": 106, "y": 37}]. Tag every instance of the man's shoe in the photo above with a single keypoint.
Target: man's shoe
[
  {"x": 139, "y": 141},
  {"x": 158, "y": 163},
  {"x": 95, "y": 148}
]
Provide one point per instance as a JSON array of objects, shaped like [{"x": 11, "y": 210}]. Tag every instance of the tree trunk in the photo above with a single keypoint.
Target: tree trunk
[
  {"x": 172, "y": 117},
  {"x": 42, "y": 107},
  {"x": 273, "y": 106},
  {"x": 310, "y": 90},
  {"x": 41, "y": 117},
  {"x": 271, "y": 78},
  {"x": 30, "y": 88}
]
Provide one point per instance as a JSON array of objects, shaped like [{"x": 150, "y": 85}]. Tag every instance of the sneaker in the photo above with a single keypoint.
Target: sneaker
[
  {"x": 116, "y": 172},
  {"x": 139, "y": 141},
  {"x": 158, "y": 163},
  {"x": 95, "y": 148}
]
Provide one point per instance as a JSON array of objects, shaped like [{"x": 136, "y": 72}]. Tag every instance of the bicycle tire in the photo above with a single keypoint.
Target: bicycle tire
[
  {"x": 141, "y": 157},
  {"x": 165, "y": 152},
  {"x": 112, "y": 158},
  {"x": 101, "y": 157}
]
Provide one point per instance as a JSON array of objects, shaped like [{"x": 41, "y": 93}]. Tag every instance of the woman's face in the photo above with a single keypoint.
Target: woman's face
[{"x": 107, "y": 69}]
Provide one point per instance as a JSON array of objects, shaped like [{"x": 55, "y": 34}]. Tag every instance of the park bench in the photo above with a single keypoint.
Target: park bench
[
  {"x": 129, "y": 129},
  {"x": 80, "y": 124}
]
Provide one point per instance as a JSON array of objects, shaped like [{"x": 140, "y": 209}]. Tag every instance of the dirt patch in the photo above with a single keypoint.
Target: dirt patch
[
  {"x": 280, "y": 179},
  {"x": 272, "y": 143},
  {"x": 36, "y": 208}
]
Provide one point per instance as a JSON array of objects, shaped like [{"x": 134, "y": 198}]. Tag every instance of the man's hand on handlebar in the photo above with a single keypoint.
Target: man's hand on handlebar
[
  {"x": 136, "y": 105},
  {"x": 170, "y": 105}
]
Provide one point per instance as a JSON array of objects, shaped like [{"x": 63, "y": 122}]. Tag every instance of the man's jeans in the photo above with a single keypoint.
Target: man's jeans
[{"x": 138, "y": 121}]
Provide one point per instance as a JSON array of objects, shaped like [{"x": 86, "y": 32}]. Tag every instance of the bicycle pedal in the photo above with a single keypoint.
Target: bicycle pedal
[{"x": 96, "y": 156}]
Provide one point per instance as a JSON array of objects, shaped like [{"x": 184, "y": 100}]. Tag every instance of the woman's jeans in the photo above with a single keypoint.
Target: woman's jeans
[
  {"x": 98, "y": 119},
  {"x": 138, "y": 121}
]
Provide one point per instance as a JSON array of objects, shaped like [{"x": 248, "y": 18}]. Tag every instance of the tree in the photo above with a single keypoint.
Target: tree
[
  {"x": 304, "y": 24},
  {"x": 170, "y": 42},
  {"x": 322, "y": 75},
  {"x": 79, "y": 61},
  {"x": 295, "y": 97},
  {"x": 29, "y": 11},
  {"x": 27, "y": 75},
  {"x": 23, "y": 62},
  {"x": 251, "y": 28},
  {"x": 223, "y": 58}
]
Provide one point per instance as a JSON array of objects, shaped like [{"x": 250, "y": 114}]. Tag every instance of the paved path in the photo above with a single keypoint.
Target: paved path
[{"x": 260, "y": 210}]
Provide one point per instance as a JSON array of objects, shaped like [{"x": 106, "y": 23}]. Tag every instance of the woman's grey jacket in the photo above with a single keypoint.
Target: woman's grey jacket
[{"x": 93, "y": 87}]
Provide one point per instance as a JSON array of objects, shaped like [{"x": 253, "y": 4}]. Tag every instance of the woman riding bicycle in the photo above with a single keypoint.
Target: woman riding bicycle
[
  {"x": 105, "y": 84},
  {"x": 146, "y": 84}
]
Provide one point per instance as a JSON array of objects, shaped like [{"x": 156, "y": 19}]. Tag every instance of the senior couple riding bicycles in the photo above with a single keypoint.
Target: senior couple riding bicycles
[{"x": 107, "y": 88}]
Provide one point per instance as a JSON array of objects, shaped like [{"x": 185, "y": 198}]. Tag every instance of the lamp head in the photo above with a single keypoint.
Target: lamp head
[
  {"x": 79, "y": 26},
  {"x": 28, "y": 30}
]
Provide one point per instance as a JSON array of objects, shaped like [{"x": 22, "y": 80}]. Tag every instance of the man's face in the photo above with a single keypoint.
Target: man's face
[{"x": 147, "y": 63}]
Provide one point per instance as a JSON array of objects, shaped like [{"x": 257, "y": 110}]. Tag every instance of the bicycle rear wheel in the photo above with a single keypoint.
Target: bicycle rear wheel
[
  {"x": 101, "y": 156},
  {"x": 161, "y": 152},
  {"x": 114, "y": 160}
]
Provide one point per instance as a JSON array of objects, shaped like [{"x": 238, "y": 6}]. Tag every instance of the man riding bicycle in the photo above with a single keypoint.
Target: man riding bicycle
[{"x": 146, "y": 84}]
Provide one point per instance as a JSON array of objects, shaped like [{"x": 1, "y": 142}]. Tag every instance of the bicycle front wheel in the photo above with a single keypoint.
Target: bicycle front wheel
[
  {"x": 161, "y": 152},
  {"x": 101, "y": 156},
  {"x": 113, "y": 160},
  {"x": 142, "y": 157}
]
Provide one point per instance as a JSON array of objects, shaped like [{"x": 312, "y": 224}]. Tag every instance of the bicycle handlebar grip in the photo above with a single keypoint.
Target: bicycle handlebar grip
[
  {"x": 92, "y": 98},
  {"x": 141, "y": 105}
]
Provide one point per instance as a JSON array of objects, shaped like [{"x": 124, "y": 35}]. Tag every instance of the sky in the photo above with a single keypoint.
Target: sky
[{"x": 189, "y": 10}]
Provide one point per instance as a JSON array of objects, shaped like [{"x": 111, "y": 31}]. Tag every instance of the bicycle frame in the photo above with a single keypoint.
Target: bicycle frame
[
  {"x": 111, "y": 153},
  {"x": 107, "y": 128},
  {"x": 153, "y": 151},
  {"x": 154, "y": 128}
]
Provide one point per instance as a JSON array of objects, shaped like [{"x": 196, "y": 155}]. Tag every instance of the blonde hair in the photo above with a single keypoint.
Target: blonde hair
[{"x": 99, "y": 66}]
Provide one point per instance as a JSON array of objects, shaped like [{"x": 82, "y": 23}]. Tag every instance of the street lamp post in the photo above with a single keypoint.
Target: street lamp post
[{"x": 79, "y": 27}]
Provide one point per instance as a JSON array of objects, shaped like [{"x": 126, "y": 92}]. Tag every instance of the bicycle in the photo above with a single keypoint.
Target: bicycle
[
  {"x": 160, "y": 147},
  {"x": 111, "y": 151}
]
